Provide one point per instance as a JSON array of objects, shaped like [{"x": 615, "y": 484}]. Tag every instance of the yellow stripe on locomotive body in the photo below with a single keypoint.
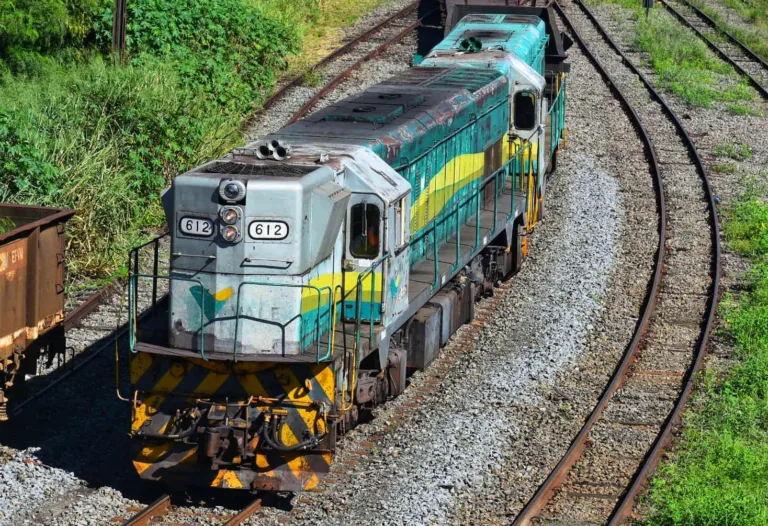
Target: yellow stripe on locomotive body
[{"x": 311, "y": 268}]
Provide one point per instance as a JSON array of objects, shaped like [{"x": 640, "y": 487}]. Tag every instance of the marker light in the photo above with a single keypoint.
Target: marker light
[
  {"x": 229, "y": 215},
  {"x": 230, "y": 233}
]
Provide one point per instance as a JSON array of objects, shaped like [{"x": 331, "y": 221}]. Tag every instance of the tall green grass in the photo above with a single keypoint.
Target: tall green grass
[
  {"x": 104, "y": 141},
  {"x": 719, "y": 473}
]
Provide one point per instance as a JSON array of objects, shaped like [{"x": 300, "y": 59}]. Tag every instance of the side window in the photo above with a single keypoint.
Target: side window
[
  {"x": 525, "y": 110},
  {"x": 364, "y": 236}
]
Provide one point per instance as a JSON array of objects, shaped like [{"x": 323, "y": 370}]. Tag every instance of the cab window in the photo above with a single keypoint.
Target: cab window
[
  {"x": 364, "y": 231},
  {"x": 525, "y": 110}
]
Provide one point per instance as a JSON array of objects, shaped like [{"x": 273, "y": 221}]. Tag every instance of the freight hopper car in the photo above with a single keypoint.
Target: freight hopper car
[
  {"x": 32, "y": 241},
  {"x": 310, "y": 270}
]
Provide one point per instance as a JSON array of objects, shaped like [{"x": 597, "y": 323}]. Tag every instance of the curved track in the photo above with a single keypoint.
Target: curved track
[
  {"x": 745, "y": 61},
  {"x": 606, "y": 465}
]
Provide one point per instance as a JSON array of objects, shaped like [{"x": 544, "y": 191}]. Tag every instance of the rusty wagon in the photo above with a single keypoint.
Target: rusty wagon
[{"x": 32, "y": 273}]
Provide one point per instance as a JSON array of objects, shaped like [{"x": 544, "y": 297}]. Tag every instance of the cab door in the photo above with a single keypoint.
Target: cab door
[
  {"x": 364, "y": 270},
  {"x": 528, "y": 118}
]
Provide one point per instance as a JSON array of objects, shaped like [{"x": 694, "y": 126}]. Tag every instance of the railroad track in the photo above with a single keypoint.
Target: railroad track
[
  {"x": 107, "y": 302},
  {"x": 745, "y": 61},
  {"x": 604, "y": 469},
  {"x": 163, "y": 506}
]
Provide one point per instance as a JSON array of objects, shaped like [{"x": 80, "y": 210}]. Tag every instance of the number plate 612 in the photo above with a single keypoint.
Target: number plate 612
[
  {"x": 196, "y": 226},
  {"x": 272, "y": 230}
]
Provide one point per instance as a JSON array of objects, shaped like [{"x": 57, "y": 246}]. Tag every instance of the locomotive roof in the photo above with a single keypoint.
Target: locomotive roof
[{"x": 414, "y": 107}]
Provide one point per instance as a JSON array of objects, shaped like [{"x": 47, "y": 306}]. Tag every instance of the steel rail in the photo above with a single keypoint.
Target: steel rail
[
  {"x": 714, "y": 25},
  {"x": 333, "y": 84},
  {"x": 555, "y": 479},
  {"x": 159, "y": 507},
  {"x": 277, "y": 95},
  {"x": 716, "y": 49},
  {"x": 623, "y": 509},
  {"x": 246, "y": 512}
]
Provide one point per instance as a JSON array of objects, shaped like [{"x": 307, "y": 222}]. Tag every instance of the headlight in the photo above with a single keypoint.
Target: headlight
[
  {"x": 229, "y": 215},
  {"x": 232, "y": 190},
  {"x": 230, "y": 233}
]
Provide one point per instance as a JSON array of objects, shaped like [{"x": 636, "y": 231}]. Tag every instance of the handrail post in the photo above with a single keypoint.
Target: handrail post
[
  {"x": 131, "y": 314},
  {"x": 458, "y": 237},
  {"x": 358, "y": 314},
  {"x": 495, "y": 197},
  {"x": 317, "y": 334},
  {"x": 155, "y": 265},
  {"x": 371, "y": 305},
  {"x": 477, "y": 221},
  {"x": 434, "y": 254}
]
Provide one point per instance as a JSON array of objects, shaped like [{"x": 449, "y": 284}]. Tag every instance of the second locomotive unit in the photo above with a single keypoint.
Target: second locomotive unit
[{"x": 309, "y": 270}]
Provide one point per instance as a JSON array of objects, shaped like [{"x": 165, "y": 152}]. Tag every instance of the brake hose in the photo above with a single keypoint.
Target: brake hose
[{"x": 271, "y": 436}]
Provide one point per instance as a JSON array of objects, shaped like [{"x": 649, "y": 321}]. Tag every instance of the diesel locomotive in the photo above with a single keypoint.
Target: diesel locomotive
[{"x": 312, "y": 269}]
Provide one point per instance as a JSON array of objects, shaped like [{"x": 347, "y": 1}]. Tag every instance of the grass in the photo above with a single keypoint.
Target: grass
[
  {"x": 311, "y": 79},
  {"x": 718, "y": 474},
  {"x": 723, "y": 168},
  {"x": 684, "y": 64},
  {"x": 104, "y": 141},
  {"x": 737, "y": 152},
  {"x": 741, "y": 110}
]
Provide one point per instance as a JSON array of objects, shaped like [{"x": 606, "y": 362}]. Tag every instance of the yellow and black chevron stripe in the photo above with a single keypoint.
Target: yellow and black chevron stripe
[{"x": 166, "y": 386}]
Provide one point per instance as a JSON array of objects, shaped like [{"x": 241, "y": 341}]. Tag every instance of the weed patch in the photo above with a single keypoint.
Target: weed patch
[
  {"x": 79, "y": 131},
  {"x": 737, "y": 152},
  {"x": 723, "y": 168},
  {"x": 741, "y": 110},
  {"x": 6, "y": 225}
]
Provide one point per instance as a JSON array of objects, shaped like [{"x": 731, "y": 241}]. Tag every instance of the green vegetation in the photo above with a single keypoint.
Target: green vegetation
[
  {"x": 311, "y": 79},
  {"x": 754, "y": 13},
  {"x": 6, "y": 225},
  {"x": 737, "y": 152},
  {"x": 718, "y": 475},
  {"x": 723, "y": 168},
  {"x": 741, "y": 110},
  {"x": 684, "y": 64}
]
